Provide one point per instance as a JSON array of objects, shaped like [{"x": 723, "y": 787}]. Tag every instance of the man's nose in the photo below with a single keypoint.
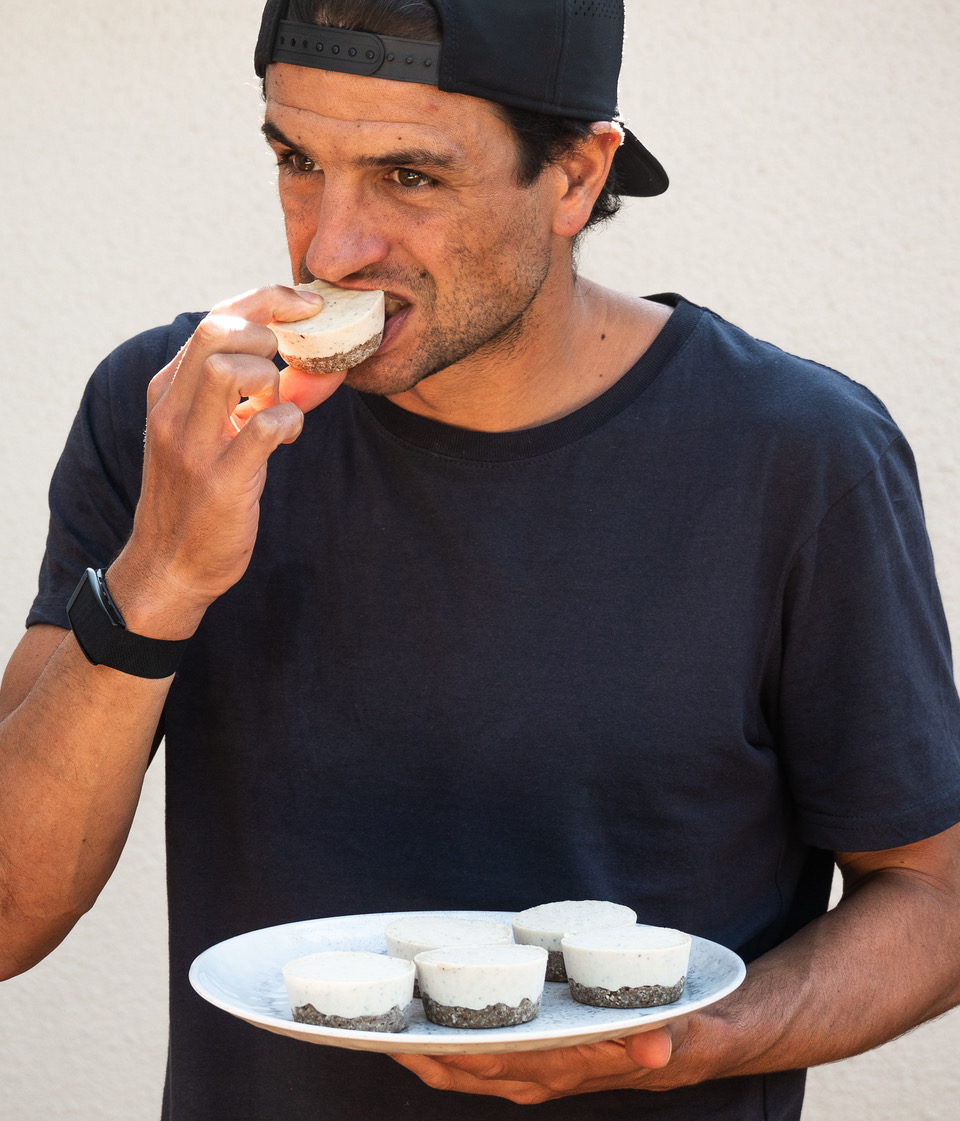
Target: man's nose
[{"x": 348, "y": 237}]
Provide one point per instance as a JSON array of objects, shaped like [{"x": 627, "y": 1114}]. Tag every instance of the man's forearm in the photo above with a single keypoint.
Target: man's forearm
[
  {"x": 884, "y": 960},
  {"x": 73, "y": 750}
]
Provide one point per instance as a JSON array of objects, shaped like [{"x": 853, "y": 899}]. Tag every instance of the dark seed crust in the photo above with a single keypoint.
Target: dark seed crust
[
  {"x": 647, "y": 996},
  {"x": 331, "y": 362},
  {"x": 394, "y": 1020},
  {"x": 493, "y": 1016},
  {"x": 556, "y": 969}
]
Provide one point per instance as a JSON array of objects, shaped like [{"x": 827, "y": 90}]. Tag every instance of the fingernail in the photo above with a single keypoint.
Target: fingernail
[{"x": 311, "y": 297}]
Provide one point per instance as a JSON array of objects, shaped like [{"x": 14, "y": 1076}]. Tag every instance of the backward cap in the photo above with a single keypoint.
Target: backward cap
[
  {"x": 557, "y": 57},
  {"x": 560, "y": 57}
]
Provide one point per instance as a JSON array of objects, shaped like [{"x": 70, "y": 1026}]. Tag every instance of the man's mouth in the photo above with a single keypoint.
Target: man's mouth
[
  {"x": 393, "y": 319},
  {"x": 391, "y": 305}
]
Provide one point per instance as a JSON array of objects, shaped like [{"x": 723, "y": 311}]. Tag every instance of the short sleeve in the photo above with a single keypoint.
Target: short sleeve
[
  {"x": 869, "y": 719},
  {"x": 96, "y": 484}
]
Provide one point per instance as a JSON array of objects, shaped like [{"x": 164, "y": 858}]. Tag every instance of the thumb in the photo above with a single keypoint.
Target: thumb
[{"x": 651, "y": 1049}]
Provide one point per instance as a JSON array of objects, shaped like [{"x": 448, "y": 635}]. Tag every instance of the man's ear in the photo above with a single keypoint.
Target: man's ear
[{"x": 582, "y": 174}]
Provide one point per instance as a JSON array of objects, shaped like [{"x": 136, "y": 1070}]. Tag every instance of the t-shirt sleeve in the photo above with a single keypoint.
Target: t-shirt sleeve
[
  {"x": 96, "y": 484},
  {"x": 869, "y": 718}
]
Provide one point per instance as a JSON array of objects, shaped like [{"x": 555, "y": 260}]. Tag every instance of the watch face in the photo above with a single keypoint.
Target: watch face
[
  {"x": 91, "y": 624},
  {"x": 106, "y": 600}
]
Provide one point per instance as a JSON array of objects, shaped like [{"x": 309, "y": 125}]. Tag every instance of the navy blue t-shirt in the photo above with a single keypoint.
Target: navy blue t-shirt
[{"x": 670, "y": 650}]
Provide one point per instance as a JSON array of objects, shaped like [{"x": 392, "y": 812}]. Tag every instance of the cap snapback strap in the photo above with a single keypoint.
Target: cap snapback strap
[{"x": 356, "y": 52}]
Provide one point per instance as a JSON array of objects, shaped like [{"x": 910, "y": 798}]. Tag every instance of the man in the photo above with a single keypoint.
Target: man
[{"x": 563, "y": 594}]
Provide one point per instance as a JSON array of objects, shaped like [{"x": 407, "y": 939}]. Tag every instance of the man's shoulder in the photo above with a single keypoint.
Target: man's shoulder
[
  {"x": 152, "y": 349},
  {"x": 116, "y": 391},
  {"x": 765, "y": 392}
]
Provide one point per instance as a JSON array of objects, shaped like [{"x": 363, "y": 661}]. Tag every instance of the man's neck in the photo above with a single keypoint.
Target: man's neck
[{"x": 557, "y": 364}]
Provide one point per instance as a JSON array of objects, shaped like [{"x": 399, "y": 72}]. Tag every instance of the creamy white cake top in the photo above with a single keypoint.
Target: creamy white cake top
[
  {"x": 478, "y": 976},
  {"x": 547, "y": 924},
  {"x": 349, "y": 983},
  {"x": 347, "y": 319},
  {"x": 413, "y": 934},
  {"x": 632, "y": 956}
]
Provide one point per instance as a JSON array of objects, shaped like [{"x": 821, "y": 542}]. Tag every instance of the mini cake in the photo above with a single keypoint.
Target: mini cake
[
  {"x": 627, "y": 966},
  {"x": 547, "y": 925},
  {"x": 482, "y": 986},
  {"x": 350, "y": 989},
  {"x": 345, "y": 331},
  {"x": 414, "y": 934}
]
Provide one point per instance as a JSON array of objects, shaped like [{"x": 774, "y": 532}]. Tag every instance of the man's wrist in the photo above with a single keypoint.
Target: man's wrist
[
  {"x": 153, "y": 604},
  {"x": 102, "y": 634}
]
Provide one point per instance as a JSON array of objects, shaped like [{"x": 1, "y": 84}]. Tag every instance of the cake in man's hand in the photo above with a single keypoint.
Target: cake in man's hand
[{"x": 345, "y": 331}]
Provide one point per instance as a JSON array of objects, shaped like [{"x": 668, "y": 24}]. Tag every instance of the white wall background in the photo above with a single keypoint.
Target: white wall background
[{"x": 815, "y": 159}]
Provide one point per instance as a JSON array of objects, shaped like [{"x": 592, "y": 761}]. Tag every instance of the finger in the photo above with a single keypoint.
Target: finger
[
  {"x": 225, "y": 380},
  {"x": 228, "y": 334},
  {"x": 276, "y": 301},
  {"x": 239, "y": 327},
  {"x": 261, "y": 435},
  {"x": 305, "y": 390},
  {"x": 222, "y": 327},
  {"x": 177, "y": 384},
  {"x": 235, "y": 326},
  {"x": 563, "y": 1070},
  {"x": 532, "y": 1076},
  {"x": 161, "y": 381},
  {"x": 308, "y": 390},
  {"x": 442, "y": 1076}
]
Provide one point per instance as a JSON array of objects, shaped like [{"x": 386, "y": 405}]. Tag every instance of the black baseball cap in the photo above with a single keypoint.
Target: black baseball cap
[{"x": 558, "y": 57}]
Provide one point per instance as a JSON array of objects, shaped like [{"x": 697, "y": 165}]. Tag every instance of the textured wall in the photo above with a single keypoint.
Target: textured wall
[{"x": 814, "y": 155}]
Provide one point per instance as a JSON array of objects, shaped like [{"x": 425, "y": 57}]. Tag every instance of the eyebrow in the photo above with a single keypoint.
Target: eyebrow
[
  {"x": 413, "y": 157},
  {"x": 400, "y": 157},
  {"x": 271, "y": 132}
]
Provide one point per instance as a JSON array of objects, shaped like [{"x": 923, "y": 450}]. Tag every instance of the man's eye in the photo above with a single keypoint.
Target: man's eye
[
  {"x": 408, "y": 178},
  {"x": 300, "y": 163}
]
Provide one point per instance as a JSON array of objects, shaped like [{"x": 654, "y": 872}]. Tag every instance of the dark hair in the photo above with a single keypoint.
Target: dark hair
[
  {"x": 540, "y": 138},
  {"x": 543, "y": 140},
  {"x": 411, "y": 19}
]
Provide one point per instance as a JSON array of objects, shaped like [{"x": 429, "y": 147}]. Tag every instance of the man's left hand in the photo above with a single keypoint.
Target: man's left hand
[{"x": 530, "y": 1077}]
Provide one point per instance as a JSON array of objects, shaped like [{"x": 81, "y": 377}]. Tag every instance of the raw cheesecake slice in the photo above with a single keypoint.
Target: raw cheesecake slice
[
  {"x": 627, "y": 966},
  {"x": 547, "y": 925},
  {"x": 414, "y": 934},
  {"x": 350, "y": 989},
  {"x": 482, "y": 986},
  {"x": 345, "y": 331}
]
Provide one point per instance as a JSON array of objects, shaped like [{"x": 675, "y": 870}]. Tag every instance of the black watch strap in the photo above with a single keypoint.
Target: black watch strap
[{"x": 102, "y": 634}]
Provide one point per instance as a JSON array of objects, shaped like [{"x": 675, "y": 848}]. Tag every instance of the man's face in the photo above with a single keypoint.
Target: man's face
[{"x": 398, "y": 186}]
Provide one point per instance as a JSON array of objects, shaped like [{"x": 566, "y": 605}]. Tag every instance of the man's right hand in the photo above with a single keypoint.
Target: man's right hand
[{"x": 215, "y": 415}]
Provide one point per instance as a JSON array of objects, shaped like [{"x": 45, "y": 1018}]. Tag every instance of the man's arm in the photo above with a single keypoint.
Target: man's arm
[
  {"x": 74, "y": 745},
  {"x": 886, "y": 959},
  {"x": 75, "y": 738}
]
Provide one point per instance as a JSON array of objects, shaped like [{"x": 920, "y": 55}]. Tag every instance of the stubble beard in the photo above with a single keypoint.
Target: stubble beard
[{"x": 483, "y": 323}]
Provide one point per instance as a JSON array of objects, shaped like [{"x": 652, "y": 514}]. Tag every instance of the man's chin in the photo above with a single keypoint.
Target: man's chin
[{"x": 374, "y": 375}]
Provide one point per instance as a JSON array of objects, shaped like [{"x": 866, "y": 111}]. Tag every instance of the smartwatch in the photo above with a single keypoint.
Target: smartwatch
[{"x": 102, "y": 634}]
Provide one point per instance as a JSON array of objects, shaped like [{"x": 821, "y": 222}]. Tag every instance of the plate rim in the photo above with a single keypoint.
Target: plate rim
[{"x": 460, "y": 1041}]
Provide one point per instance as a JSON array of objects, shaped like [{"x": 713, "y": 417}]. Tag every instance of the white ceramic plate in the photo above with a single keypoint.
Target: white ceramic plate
[{"x": 243, "y": 976}]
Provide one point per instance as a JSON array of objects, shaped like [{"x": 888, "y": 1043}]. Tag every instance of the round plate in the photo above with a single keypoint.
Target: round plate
[{"x": 243, "y": 976}]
